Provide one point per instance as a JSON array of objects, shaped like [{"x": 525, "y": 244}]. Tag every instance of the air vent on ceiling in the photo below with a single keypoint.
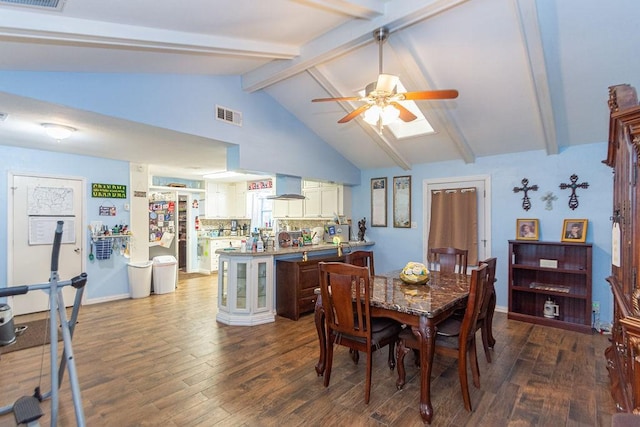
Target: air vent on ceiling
[
  {"x": 3, "y": 116},
  {"x": 42, "y": 4},
  {"x": 229, "y": 116}
]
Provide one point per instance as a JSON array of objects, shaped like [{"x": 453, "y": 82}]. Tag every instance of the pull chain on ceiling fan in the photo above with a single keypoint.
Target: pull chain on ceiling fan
[{"x": 381, "y": 97}]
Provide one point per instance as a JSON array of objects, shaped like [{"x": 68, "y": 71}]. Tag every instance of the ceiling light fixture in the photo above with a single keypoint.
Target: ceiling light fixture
[{"x": 58, "y": 132}]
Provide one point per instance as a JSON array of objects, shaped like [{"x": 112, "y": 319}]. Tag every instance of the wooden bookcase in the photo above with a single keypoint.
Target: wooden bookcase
[{"x": 543, "y": 271}]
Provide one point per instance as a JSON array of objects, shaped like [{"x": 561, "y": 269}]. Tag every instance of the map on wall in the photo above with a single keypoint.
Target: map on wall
[{"x": 49, "y": 200}]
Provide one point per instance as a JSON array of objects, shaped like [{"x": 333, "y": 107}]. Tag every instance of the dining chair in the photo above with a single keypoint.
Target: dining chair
[
  {"x": 361, "y": 259},
  {"x": 345, "y": 291},
  {"x": 485, "y": 318},
  {"x": 454, "y": 338},
  {"x": 448, "y": 260}
]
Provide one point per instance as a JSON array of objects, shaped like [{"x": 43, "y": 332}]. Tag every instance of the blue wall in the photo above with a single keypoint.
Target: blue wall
[
  {"x": 107, "y": 278},
  {"x": 395, "y": 246},
  {"x": 186, "y": 103}
]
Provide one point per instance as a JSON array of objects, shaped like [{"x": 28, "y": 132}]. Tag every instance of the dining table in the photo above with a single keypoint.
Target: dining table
[{"x": 419, "y": 306}]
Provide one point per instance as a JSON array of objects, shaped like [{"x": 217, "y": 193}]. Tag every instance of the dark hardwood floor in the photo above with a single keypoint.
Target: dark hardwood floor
[{"x": 164, "y": 361}]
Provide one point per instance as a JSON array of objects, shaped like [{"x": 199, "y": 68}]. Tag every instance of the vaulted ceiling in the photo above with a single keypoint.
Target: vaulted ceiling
[{"x": 532, "y": 75}]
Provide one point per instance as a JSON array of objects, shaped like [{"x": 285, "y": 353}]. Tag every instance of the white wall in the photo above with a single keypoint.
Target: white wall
[{"x": 396, "y": 246}]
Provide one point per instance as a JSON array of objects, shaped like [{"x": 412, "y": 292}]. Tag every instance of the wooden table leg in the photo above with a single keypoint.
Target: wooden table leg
[
  {"x": 322, "y": 339},
  {"x": 426, "y": 334}
]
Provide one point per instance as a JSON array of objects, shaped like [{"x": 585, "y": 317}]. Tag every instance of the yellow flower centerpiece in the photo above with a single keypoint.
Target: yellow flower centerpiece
[{"x": 415, "y": 273}]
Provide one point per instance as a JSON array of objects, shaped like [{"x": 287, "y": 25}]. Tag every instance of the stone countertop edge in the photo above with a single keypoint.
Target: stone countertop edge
[{"x": 295, "y": 250}]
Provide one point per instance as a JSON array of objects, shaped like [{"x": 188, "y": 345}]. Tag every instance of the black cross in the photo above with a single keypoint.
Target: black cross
[
  {"x": 573, "y": 199},
  {"x": 526, "y": 203}
]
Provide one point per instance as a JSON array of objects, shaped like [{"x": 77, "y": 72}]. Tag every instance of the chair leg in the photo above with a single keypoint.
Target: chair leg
[
  {"x": 489, "y": 320},
  {"x": 462, "y": 376},
  {"x": 367, "y": 390},
  {"x": 473, "y": 361},
  {"x": 355, "y": 356},
  {"x": 401, "y": 351},
  {"x": 485, "y": 339},
  {"x": 392, "y": 356},
  {"x": 328, "y": 364}
]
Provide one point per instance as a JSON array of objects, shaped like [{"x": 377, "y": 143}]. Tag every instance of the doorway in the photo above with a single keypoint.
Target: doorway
[
  {"x": 482, "y": 183},
  {"x": 36, "y": 204}
]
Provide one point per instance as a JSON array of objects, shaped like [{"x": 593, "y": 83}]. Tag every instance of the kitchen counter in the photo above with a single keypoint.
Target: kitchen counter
[{"x": 292, "y": 251}]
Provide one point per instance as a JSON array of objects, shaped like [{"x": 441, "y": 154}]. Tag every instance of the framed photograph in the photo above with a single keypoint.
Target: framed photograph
[
  {"x": 402, "y": 201},
  {"x": 527, "y": 229},
  {"x": 378, "y": 202},
  {"x": 574, "y": 230}
]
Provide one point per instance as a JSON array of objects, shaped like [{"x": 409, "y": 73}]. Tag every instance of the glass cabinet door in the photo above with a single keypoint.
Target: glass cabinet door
[
  {"x": 241, "y": 285},
  {"x": 261, "y": 296},
  {"x": 223, "y": 284}
]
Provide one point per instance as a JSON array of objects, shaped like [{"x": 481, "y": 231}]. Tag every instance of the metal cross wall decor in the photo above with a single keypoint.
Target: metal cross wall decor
[
  {"x": 573, "y": 199},
  {"x": 526, "y": 203}
]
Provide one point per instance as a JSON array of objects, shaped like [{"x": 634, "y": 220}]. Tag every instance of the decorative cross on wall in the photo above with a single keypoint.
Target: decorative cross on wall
[
  {"x": 526, "y": 203},
  {"x": 548, "y": 199},
  {"x": 573, "y": 199}
]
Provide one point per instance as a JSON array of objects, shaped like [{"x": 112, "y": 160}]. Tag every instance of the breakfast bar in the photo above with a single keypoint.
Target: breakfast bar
[{"x": 249, "y": 293}]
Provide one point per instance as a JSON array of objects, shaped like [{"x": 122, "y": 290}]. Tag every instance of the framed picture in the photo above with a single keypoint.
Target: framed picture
[
  {"x": 527, "y": 229},
  {"x": 378, "y": 202},
  {"x": 402, "y": 201},
  {"x": 574, "y": 230}
]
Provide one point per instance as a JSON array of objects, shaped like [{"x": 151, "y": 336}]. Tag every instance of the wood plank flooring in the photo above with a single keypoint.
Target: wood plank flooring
[{"x": 165, "y": 361}]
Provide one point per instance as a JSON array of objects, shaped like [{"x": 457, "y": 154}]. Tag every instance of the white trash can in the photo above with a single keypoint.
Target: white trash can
[
  {"x": 140, "y": 279},
  {"x": 165, "y": 271}
]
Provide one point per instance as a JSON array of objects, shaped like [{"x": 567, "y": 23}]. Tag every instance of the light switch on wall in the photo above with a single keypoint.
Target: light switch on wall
[
  {"x": 414, "y": 224},
  {"x": 126, "y": 207}
]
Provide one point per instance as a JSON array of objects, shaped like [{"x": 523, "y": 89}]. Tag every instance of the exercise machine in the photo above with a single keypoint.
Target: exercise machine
[{"x": 27, "y": 408}]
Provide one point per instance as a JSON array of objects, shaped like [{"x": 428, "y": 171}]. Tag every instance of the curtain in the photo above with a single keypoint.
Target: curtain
[{"x": 454, "y": 221}]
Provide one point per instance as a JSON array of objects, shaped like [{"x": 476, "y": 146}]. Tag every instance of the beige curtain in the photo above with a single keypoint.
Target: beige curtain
[{"x": 454, "y": 220}]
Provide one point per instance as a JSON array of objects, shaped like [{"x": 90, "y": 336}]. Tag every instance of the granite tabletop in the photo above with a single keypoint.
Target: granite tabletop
[{"x": 346, "y": 247}]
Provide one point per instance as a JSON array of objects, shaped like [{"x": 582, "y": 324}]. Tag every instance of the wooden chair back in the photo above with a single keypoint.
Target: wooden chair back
[
  {"x": 485, "y": 318},
  {"x": 345, "y": 297},
  {"x": 448, "y": 260},
  {"x": 361, "y": 259},
  {"x": 477, "y": 286}
]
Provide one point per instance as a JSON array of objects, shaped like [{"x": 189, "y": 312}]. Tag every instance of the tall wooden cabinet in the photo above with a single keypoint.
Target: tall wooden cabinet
[
  {"x": 623, "y": 356},
  {"x": 550, "y": 284}
]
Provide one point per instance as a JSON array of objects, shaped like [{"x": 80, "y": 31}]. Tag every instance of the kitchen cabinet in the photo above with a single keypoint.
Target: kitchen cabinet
[
  {"x": 245, "y": 290},
  {"x": 549, "y": 274},
  {"x": 209, "y": 260},
  {"x": 216, "y": 200},
  {"x": 321, "y": 200},
  {"x": 238, "y": 200},
  {"x": 287, "y": 209},
  {"x": 296, "y": 281}
]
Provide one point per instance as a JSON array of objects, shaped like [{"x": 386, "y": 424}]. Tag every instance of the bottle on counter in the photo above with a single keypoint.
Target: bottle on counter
[
  {"x": 243, "y": 246},
  {"x": 259, "y": 246}
]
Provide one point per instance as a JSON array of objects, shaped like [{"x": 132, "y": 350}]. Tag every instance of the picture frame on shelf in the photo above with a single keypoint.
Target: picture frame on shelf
[
  {"x": 527, "y": 229},
  {"x": 402, "y": 201},
  {"x": 379, "y": 202},
  {"x": 574, "y": 230}
]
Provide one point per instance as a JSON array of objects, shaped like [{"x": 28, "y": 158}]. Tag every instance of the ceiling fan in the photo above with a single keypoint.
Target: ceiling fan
[{"x": 383, "y": 94}]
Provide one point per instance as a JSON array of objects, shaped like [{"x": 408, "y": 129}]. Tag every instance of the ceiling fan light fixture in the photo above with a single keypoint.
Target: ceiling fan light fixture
[
  {"x": 58, "y": 132},
  {"x": 386, "y": 115}
]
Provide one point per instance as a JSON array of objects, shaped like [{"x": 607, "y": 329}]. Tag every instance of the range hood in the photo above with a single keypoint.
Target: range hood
[{"x": 288, "y": 188}]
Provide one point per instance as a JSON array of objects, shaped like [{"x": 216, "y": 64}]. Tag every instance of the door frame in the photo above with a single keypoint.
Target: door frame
[
  {"x": 484, "y": 251},
  {"x": 10, "y": 221}
]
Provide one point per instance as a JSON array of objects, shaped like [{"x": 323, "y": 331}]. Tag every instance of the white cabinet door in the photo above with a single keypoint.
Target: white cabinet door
[
  {"x": 216, "y": 200},
  {"x": 313, "y": 202},
  {"x": 287, "y": 209},
  {"x": 329, "y": 201},
  {"x": 240, "y": 201}
]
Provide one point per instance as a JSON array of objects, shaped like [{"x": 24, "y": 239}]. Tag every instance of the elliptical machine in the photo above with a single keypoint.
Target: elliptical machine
[{"x": 27, "y": 408}]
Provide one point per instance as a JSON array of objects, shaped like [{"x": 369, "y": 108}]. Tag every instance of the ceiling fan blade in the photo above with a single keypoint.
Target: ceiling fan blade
[
  {"x": 405, "y": 115},
  {"x": 355, "y": 113},
  {"x": 346, "y": 98},
  {"x": 428, "y": 94},
  {"x": 386, "y": 83}
]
